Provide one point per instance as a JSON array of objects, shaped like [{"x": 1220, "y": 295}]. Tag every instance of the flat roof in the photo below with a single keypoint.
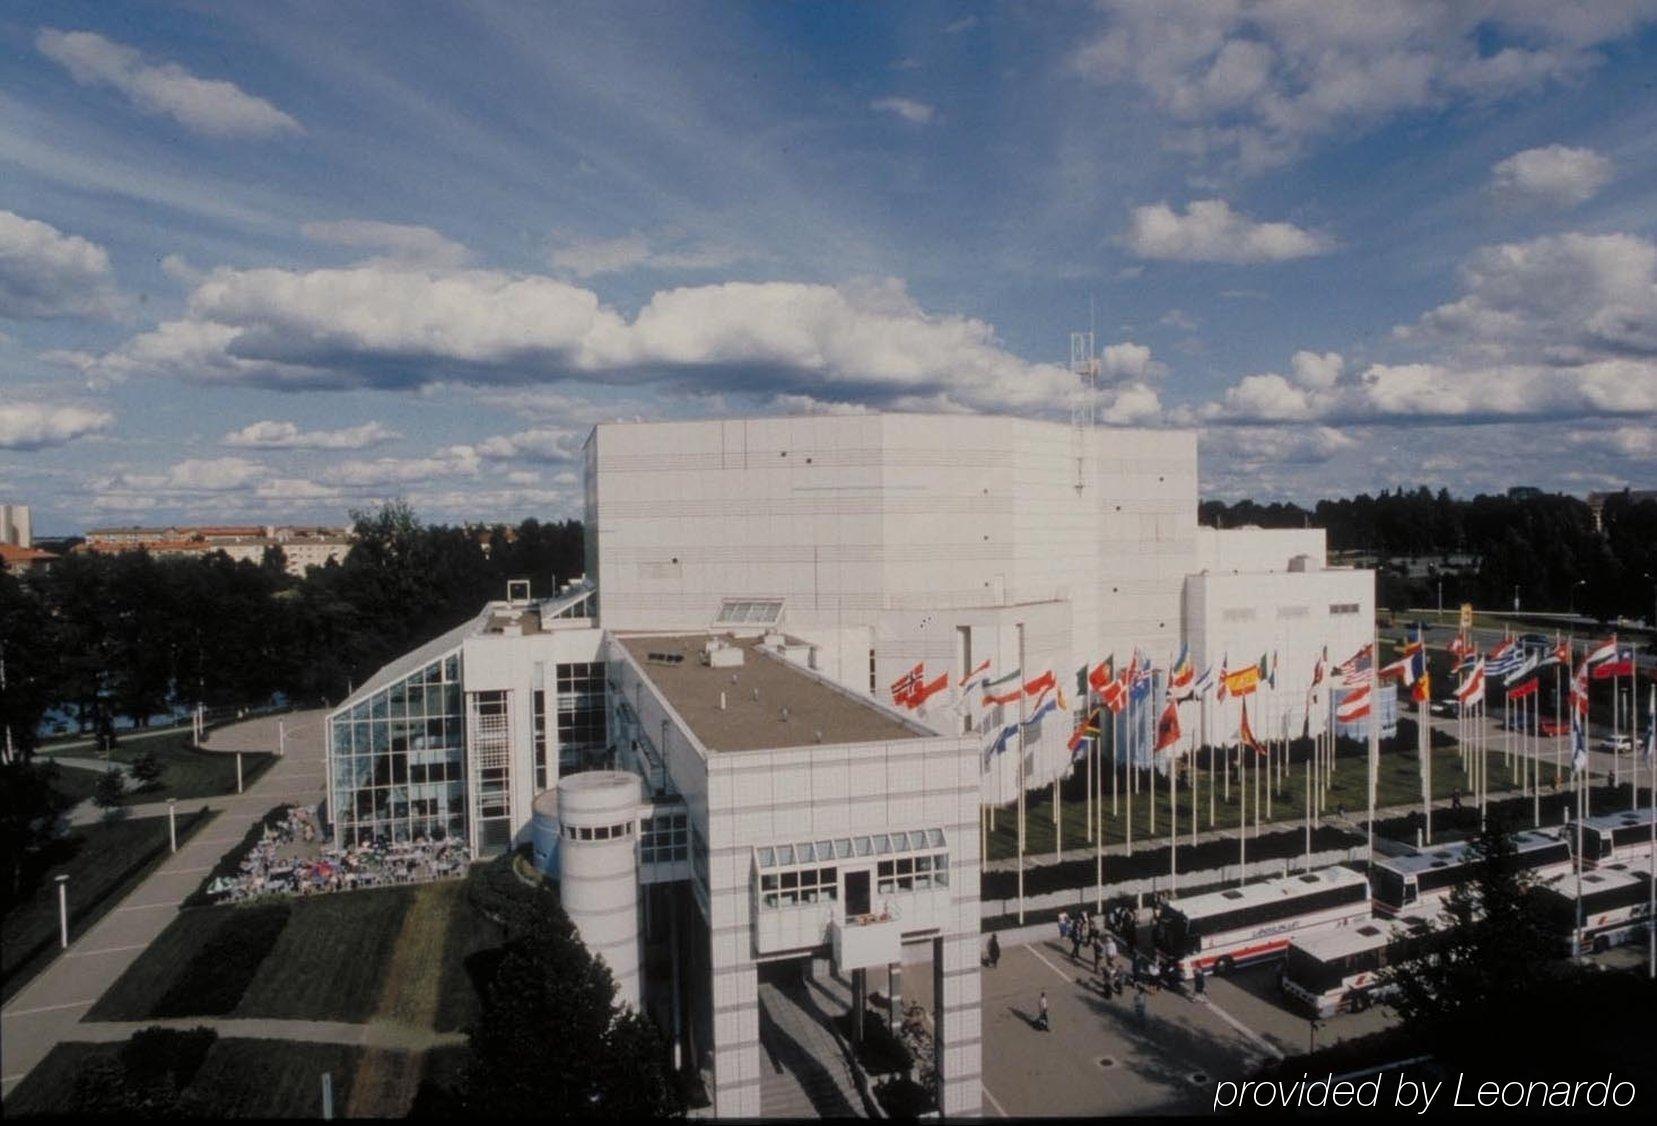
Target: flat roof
[
  {"x": 750, "y": 724},
  {"x": 1461, "y": 852}
]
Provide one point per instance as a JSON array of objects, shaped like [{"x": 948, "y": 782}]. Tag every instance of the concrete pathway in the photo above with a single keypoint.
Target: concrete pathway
[{"x": 47, "y": 1010}]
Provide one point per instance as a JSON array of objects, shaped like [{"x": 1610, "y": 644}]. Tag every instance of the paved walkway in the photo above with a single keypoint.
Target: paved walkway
[{"x": 47, "y": 1010}]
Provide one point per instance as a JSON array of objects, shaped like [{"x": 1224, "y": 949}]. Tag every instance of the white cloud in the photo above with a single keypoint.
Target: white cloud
[
  {"x": 387, "y": 326},
  {"x": 35, "y": 426},
  {"x": 1253, "y": 80},
  {"x": 1317, "y": 372},
  {"x": 965, "y": 23},
  {"x": 540, "y": 444},
  {"x": 1552, "y": 175},
  {"x": 916, "y": 113},
  {"x": 455, "y": 461},
  {"x": 593, "y": 257},
  {"x": 1235, "y": 449},
  {"x": 1636, "y": 442},
  {"x": 399, "y": 242},
  {"x": 269, "y": 434},
  {"x": 46, "y": 273},
  {"x": 209, "y": 106},
  {"x": 1210, "y": 231}
]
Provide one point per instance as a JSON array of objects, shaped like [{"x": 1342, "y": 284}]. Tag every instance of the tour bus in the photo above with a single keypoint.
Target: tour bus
[
  {"x": 1221, "y": 930},
  {"x": 1614, "y": 836},
  {"x": 1616, "y": 906},
  {"x": 1335, "y": 971},
  {"x": 1400, "y": 882}
]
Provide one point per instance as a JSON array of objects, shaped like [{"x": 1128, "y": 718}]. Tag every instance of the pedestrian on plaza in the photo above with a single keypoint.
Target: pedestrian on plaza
[
  {"x": 1139, "y": 1006},
  {"x": 1199, "y": 981},
  {"x": 1098, "y": 951},
  {"x": 1041, "y": 1020},
  {"x": 1110, "y": 951},
  {"x": 1076, "y": 941},
  {"x": 1064, "y": 924},
  {"x": 995, "y": 951}
]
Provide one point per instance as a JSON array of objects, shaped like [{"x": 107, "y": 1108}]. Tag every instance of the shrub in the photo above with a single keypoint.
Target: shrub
[
  {"x": 111, "y": 786},
  {"x": 147, "y": 769}
]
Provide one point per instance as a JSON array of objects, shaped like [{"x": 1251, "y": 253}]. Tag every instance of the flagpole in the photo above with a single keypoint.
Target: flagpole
[
  {"x": 1192, "y": 771},
  {"x": 1558, "y": 717},
  {"x": 1020, "y": 683},
  {"x": 1087, "y": 710},
  {"x": 1308, "y": 815},
  {"x": 1634, "y": 734},
  {"x": 1374, "y": 734},
  {"x": 1209, "y": 742},
  {"x": 1173, "y": 823},
  {"x": 1099, "y": 835},
  {"x": 1651, "y": 856},
  {"x": 1242, "y": 814}
]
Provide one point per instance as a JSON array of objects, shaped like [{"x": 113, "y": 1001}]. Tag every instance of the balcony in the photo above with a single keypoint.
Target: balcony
[{"x": 866, "y": 940}]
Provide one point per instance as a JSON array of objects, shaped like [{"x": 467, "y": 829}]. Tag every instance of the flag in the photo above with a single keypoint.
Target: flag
[
  {"x": 1271, "y": 677},
  {"x": 1621, "y": 664},
  {"x": 1245, "y": 680},
  {"x": 1471, "y": 690},
  {"x": 1317, "y": 669},
  {"x": 1141, "y": 688},
  {"x": 1579, "y": 690},
  {"x": 1355, "y": 705},
  {"x": 1203, "y": 682},
  {"x": 1085, "y": 730},
  {"x": 1355, "y": 669},
  {"x": 1114, "y": 696},
  {"x": 1460, "y": 647},
  {"x": 1604, "y": 651},
  {"x": 1245, "y": 734},
  {"x": 1500, "y": 652},
  {"x": 1561, "y": 653},
  {"x": 1100, "y": 675},
  {"x": 905, "y": 686},
  {"x": 1525, "y": 688},
  {"x": 1224, "y": 676},
  {"x": 1401, "y": 670},
  {"x": 1002, "y": 697},
  {"x": 1036, "y": 717},
  {"x": 1579, "y": 744},
  {"x": 980, "y": 672},
  {"x": 1167, "y": 728},
  {"x": 929, "y": 689},
  {"x": 1182, "y": 674},
  {"x": 1528, "y": 663},
  {"x": 1000, "y": 743},
  {"x": 1043, "y": 683}
]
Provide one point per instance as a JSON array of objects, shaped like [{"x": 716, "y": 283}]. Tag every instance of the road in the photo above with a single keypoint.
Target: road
[{"x": 48, "y": 1010}]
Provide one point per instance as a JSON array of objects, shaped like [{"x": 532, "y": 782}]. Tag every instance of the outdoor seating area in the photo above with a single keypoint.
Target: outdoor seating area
[{"x": 293, "y": 859}]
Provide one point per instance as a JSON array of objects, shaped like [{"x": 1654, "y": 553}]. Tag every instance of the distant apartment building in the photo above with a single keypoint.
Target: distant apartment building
[
  {"x": 16, "y": 526},
  {"x": 303, "y": 546},
  {"x": 1596, "y": 503}
]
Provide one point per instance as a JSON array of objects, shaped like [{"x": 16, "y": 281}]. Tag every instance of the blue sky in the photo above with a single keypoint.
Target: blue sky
[{"x": 272, "y": 261}]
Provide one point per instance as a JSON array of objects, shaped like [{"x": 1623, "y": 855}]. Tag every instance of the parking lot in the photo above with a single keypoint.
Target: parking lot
[{"x": 1099, "y": 1059}]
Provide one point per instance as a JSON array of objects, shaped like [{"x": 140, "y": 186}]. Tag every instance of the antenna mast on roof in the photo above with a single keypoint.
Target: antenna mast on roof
[{"x": 1084, "y": 364}]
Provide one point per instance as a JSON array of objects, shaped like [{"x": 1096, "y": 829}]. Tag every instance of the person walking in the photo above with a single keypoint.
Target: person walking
[
  {"x": 1198, "y": 981},
  {"x": 1041, "y": 1020},
  {"x": 1075, "y": 941},
  {"x": 995, "y": 951},
  {"x": 1139, "y": 1011},
  {"x": 1110, "y": 951},
  {"x": 1098, "y": 951}
]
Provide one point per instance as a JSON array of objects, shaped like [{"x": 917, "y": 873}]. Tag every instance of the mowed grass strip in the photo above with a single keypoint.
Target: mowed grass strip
[
  {"x": 471, "y": 936},
  {"x": 243, "y": 1078},
  {"x": 48, "y": 1087},
  {"x": 201, "y": 965},
  {"x": 331, "y": 958}
]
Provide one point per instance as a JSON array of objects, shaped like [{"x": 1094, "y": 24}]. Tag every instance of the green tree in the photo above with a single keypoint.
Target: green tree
[
  {"x": 29, "y": 810},
  {"x": 107, "y": 791},
  {"x": 1488, "y": 951}
]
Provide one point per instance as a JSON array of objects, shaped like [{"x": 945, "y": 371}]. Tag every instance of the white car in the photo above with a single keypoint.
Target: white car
[{"x": 1617, "y": 744}]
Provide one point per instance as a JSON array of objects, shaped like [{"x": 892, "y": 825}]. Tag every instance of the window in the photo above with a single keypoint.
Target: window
[
  {"x": 1337, "y": 608},
  {"x": 580, "y": 700},
  {"x": 542, "y": 781},
  {"x": 750, "y": 612},
  {"x": 1293, "y": 612},
  {"x": 664, "y": 838},
  {"x": 1239, "y": 614},
  {"x": 794, "y": 874}
]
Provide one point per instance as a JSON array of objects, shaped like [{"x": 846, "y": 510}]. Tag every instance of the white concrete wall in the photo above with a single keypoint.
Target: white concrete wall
[{"x": 1257, "y": 549}]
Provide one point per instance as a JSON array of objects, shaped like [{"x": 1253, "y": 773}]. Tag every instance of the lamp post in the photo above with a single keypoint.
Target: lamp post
[
  {"x": 172, "y": 822},
  {"x": 63, "y": 912}
]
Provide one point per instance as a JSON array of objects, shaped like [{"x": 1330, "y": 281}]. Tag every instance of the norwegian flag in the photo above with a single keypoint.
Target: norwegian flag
[
  {"x": 1355, "y": 669},
  {"x": 906, "y": 686},
  {"x": 1460, "y": 647},
  {"x": 1579, "y": 690},
  {"x": 1100, "y": 675}
]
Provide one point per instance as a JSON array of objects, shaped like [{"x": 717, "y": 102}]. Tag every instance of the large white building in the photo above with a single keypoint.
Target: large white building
[{"x": 699, "y": 736}]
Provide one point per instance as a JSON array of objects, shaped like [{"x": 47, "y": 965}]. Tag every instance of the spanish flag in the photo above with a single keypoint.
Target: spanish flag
[{"x": 1245, "y": 680}]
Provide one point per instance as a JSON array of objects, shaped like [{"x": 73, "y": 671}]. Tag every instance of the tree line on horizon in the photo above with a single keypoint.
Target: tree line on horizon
[{"x": 1545, "y": 546}]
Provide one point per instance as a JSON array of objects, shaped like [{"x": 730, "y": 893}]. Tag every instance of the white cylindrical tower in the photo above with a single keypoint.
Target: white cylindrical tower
[{"x": 598, "y": 813}]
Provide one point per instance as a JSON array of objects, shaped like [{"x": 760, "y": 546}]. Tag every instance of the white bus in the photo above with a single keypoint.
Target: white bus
[
  {"x": 1614, "y": 836},
  {"x": 1428, "y": 876},
  {"x": 1616, "y": 906},
  {"x": 1221, "y": 930},
  {"x": 1339, "y": 970}
]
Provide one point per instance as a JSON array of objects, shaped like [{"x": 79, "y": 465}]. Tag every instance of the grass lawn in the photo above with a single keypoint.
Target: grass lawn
[
  {"x": 201, "y": 965},
  {"x": 332, "y": 957},
  {"x": 1397, "y": 783},
  {"x": 103, "y": 862},
  {"x": 75, "y": 784},
  {"x": 185, "y": 772},
  {"x": 239, "y": 1078},
  {"x": 273, "y": 1078},
  {"x": 46, "y": 1089}
]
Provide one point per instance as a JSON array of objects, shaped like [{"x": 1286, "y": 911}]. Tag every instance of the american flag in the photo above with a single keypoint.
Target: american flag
[{"x": 1354, "y": 670}]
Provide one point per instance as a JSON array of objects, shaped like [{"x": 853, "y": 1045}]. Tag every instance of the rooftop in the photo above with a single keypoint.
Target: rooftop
[{"x": 756, "y": 694}]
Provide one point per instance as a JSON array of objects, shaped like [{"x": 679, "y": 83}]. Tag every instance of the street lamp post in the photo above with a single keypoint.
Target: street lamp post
[
  {"x": 63, "y": 912},
  {"x": 172, "y": 822}
]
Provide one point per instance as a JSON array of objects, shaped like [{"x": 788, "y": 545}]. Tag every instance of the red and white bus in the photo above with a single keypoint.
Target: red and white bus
[
  {"x": 1615, "y": 906},
  {"x": 1429, "y": 875},
  {"x": 1614, "y": 836},
  {"x": 1221, "y": 930},
  {"x": 1340, "y": 970}
]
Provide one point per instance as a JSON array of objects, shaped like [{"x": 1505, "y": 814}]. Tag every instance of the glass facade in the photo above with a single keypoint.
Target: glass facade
[
  {"x": 581, "y": 716},
  {"x": 399, "y": 759}
]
